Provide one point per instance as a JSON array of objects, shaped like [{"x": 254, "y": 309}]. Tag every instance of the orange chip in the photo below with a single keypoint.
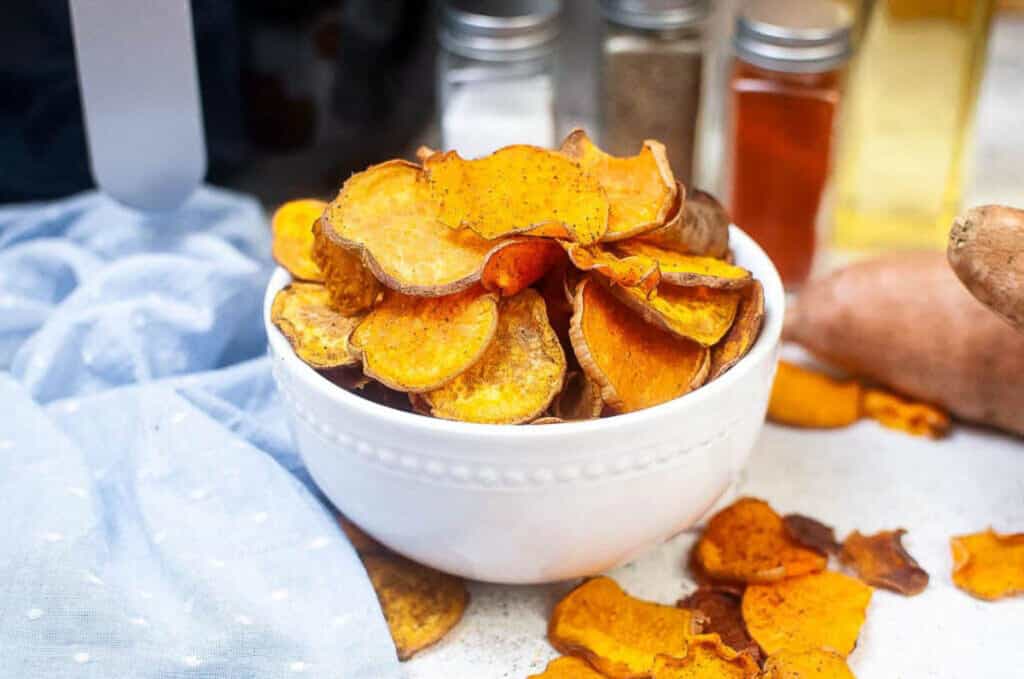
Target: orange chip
[
  {"x": 641, "y": 189},
  {"x": 821, "y": 610},
  {"x": 636, "y": 365},
  {"x": 516, "y": 263},
  {"x": 706, "y": 658},
  {"x": 747, "y": 542},
  {"x": 697, "y": 225},
  {"x": 805, "y": 398},
  {"x": 743, "y": 333},
  {"x": 420, "y": 604},
  {"x": 703, "y": 315},
  {"x": 353, "y": 287},
  {"x": 619, "y": 635},
  {"x": 919, "y": 419},
  {"x": 516, "y": 378},
  {"x": 292, "y": 229},
  {"x": 519, "y": 189},
  {"x": 989, "y": 565},
  {"x": 812, "y": 534},
  {"x": 319, "y": 335},
  {"x": 422, "y": 343},
  {"x": 633, "y": 271},
  {"x": 568, "y": 667},
  {"x": 813, "y": 663},
  {"x": 720, "y": 609},
  {"x": 580, "y": 398},
  {"x": 688, "y": 270},
  {"x": 361, "y": 542},
  {"x": 881, "y": 560}
]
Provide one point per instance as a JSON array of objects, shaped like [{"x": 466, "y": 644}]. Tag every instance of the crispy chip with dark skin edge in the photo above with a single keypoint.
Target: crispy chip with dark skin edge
[
  {"x": 518, "y": 263},
  {"x": 423, "y": 343},
  {"x": 518, "y": 190},
  {"x": 420, "y": 604},
  {"x": 706, "y": 658},
  {"x": 743, "y": 333},
  {"x": 636, "y": 364},
  {"x": 747, "y": 542},
  {"x": 353, "y": 287},
  {"x": 580, "y": 398},
  {"x": 811, "y": 400},
  {"x": 423, "y": 152},
  {"x": 641, "y": 189},
  {"x": 820, "y": 610},
  {"x": 318, "y": 333},
  {"x": 697, "y": 225},
  {"x": 917, "y": 419},
  {"x": 720, "y": 608},
  {"x": 559, "y": 307},
  {"x": 813, "y": 663},
  {"x": 568, "y": 667},
  {"x": 812, "y": 534},
  {"x": 881, "y": 561},
  {"x": 637, "y": 271},
  {"x": 989, "y": 565},
  {"x": 292, "y": 230},
  {"x": 419, "y": 404},
  {"x": 547, "y": 419},
  {"x": 516, "y": 378},
  {"x": 616, "y": 633},
  {"x": 688, "y": 270},
  {"x": 361, "y": 542},
  {"x": 703, "y": 315}
]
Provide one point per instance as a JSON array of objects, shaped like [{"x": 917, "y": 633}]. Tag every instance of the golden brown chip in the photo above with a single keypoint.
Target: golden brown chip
[
  {"x": 881, "y": 560},
  {"x": 703, "y": 315},
  {"x": 516, "y": 378},
  {"x": 813, "y": 663},
  {"x": 747, "y": 542},
  {"x": 812, "y": 534},
  {"x": 636, "y": 364},
  {"x": 637, "y": 271},
  {"x": 422, "y": 343},
  {"x": 697, "y": 225},
  {"x": 516, "y": 263},
  {"x": 519, "y": 189},
  {"x": 361, "y": 542},
  {"x": 706, "y": 658},
  {"x": 292, "y": 229},
  {"x": 353, "y": 287},
  {"x": 720, "y": 609},
  {"x": 420, "y": 604},
  {"x": 805, "y": 398},
  {"x": 568, "y": 667},
  {"x": 319, "y": 335},
  {"x": 989, "y": 565},
  {"x": 688, "y": 270},
  {"x": 580, "y": 398},
  {"x": 821, "y": 610},
  {"x": 919, "y": 419},
  {"x": 619, "y": 635},
  {"x": 743, "y": 333},
  {"x": 641, "y": 189}
]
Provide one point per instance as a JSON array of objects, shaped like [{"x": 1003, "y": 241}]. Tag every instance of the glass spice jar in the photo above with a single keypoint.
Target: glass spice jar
[
  {"x": 652, "y": 77},
  {"x": 496, "y": 74},
  {"x": 784, "y": 98}
]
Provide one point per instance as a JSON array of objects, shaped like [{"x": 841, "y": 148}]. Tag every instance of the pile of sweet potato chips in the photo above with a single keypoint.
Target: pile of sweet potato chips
[{"x": 529, "y": 285}]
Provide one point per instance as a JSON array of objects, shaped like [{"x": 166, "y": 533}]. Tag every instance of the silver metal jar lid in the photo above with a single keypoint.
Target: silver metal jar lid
[
  {"x": 656, "y": 15},
  {"x": 499, "y": 30},
  {"x": 794, "y": 36}
]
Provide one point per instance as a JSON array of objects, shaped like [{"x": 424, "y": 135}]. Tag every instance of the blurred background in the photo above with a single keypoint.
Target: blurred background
[{"x": 829, "y": 128}]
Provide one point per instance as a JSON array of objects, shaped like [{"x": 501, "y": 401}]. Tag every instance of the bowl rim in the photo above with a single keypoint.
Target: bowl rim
[{"x": 749, "y": 254}]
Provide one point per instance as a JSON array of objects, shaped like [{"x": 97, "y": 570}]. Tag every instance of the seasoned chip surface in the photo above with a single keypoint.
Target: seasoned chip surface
[
  {"x": 989, "y": 565},
  {"x": 706, "y": 658},
  {"x": 700, "y": 314},
  {"x": 317, "y": 332},
  {"x": 292, "y": 231},
  {"x": 814, "y": 663},
  {"x": 720, "y": 609},
  {"x": 637, "y": 271},
  {"x": 352, "y": 285},
  {"x": 882, "y": 561},
  {"x": 516, "y": 263},
  {"x": 688, "y": 270},
  {"x": 568, "y": 667}
]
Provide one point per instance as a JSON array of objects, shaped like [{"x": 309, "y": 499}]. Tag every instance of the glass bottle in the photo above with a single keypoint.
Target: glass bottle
[
  {"x": 913, "y": 89},
  {"x": 785, "y": 93},
  {"x": 652, "y": 59},
  {"x": 496, "y": 74}
]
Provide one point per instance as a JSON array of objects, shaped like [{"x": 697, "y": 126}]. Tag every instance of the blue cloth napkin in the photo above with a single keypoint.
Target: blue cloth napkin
[{"x": 157, "y": 522}]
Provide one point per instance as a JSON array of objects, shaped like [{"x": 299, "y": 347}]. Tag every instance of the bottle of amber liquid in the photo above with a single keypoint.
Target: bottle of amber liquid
[{"x": 784, "y": 99}]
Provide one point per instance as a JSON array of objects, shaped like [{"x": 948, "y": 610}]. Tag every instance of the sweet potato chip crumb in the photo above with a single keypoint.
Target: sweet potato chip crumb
[{"x": 989, "y": 565}]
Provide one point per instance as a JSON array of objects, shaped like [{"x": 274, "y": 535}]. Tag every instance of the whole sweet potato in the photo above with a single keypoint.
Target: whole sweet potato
[{"x": 907, "y": 322}]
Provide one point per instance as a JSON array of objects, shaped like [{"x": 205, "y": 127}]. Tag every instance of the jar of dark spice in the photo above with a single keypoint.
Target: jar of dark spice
[{"x": 652, "y": 76}]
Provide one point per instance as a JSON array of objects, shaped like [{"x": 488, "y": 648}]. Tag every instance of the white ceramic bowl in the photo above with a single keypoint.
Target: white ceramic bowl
[{"x": 529, "y": 504}]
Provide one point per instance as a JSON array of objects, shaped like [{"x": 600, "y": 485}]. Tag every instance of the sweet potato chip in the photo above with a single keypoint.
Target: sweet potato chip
[
  {"x": 568, "y": 667},
  {"x": 361, "y": 542},
  {"x": 703, "y": 315},
  {"x": 516, "y": 378},
  {"x": 353, "y": 287},
  {"x": 519, "y": 189},
  {"x": 821, "y": 610},
  {"x": 747, "y": 542},
  {"x": 420, "y": 604},
  {"x": 919, "y": 419},
  {"x": 292, "y": 230},
  {"x": 319, "y": 335},
  {"x": 641, "y": 189},
  {"x": 881, "y": 560},
  {"x": 636, "y": 364},
  {"x": 743, "y": 333},
  {"x": 812, "y": 534},
  {"x": 706, "y": 658},
  {"x": 547, "y": 419},
  {"x": 580, "y": 398},
  {"x": 516, "y": 263},
  {"x": 619, "y": 635},
  {"x": 697, "y": 225},
  {"x": 422, "y": 343},
  {"x": 989, "y": 565},
  {"x": 688, "y": 270},
  {"x": 805, "y": 398},
  {"x": 637, "y": 271},
  {"x": 720, "y": 608},
  {"x": 384, "y": 395},
  {"x": 813, "y": 663}
]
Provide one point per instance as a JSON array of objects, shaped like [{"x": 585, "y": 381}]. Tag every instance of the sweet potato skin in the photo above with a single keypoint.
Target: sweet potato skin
[{"x": 905, "y": 321}]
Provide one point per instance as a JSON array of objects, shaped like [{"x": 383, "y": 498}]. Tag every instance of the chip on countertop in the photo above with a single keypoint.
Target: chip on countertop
[
  {"x": 568, "y": 667},
  {"x": 989, "y": 565},
  {"x": 813, "y": 663},
  {"x": 881, "y": 561},
  {"x": 706, "y": 658},
  {"x": 720, "y": 608}
]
